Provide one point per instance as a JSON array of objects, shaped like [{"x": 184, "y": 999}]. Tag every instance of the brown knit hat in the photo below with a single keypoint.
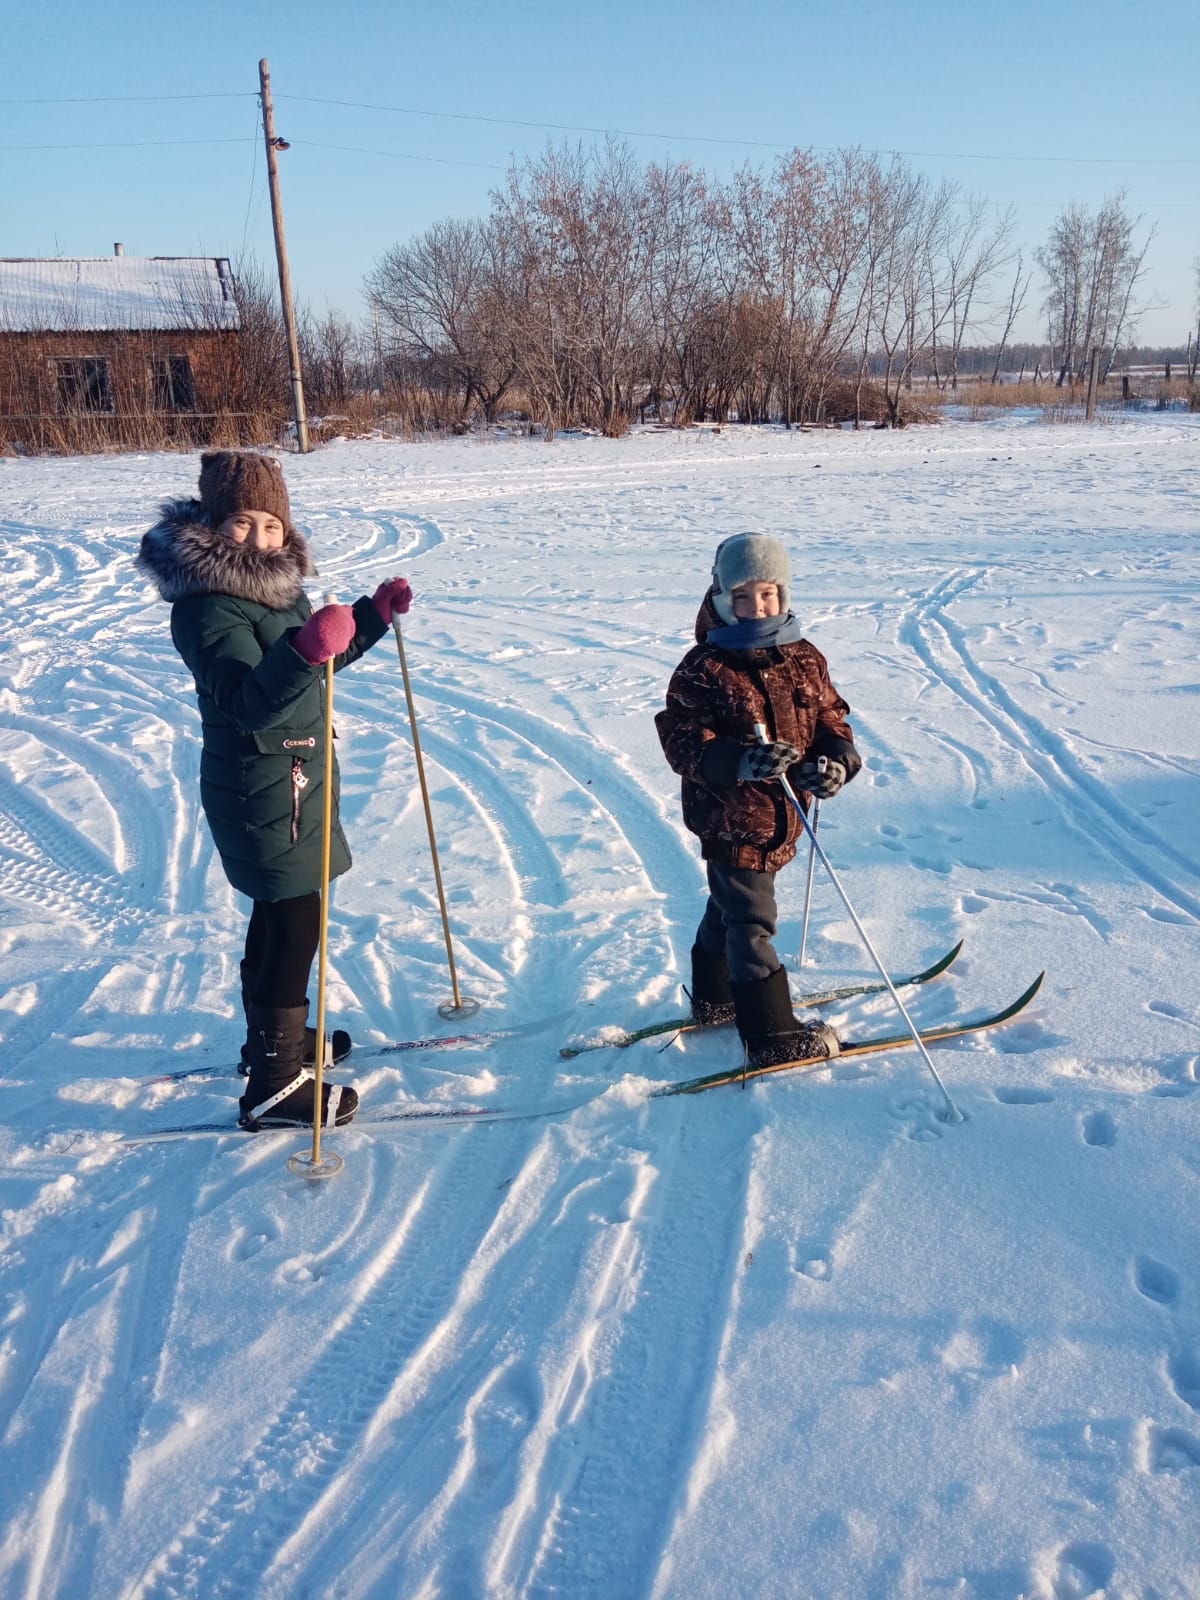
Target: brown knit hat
[{"x": 242, "y": 480}]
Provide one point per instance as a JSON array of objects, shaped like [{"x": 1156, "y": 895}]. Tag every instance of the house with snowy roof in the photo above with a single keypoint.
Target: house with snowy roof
[{"x": 118, "y": 351}]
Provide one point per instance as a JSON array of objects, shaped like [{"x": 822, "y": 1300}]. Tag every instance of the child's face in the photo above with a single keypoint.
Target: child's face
[
  {"x": 259, "y": 529},
  {"x": 755, "y": 600}
]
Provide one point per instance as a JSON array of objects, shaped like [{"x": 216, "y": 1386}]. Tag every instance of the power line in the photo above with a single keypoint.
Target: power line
[
  {"x": 755, "y": 144},
  {"x": 250, "y": 196},
  {"x": 126, "y": 99},
  {"x": 563, "y": 127},
  {"x": 397, "y": 155},
  {"x": 122, "y": 144}
]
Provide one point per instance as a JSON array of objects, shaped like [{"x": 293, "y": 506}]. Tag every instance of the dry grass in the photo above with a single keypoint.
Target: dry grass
[
  {"x": 988, "y": 400},
  {"x": 100, "y": 434}
]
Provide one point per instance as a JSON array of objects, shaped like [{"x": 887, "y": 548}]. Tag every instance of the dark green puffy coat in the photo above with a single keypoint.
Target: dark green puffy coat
[{"x": 233, "y": 613}]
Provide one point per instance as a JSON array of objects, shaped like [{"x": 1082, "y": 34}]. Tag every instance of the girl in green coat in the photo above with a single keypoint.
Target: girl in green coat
[{"x": 232, "y": 565}]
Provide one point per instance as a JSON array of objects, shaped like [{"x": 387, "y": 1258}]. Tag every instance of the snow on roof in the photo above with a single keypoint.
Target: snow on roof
[{"x": 106, "y": 293}]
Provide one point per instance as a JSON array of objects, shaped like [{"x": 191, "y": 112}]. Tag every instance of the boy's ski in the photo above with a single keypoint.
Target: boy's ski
[
  {"x": 858, "y": 1047},
  {"x": 827, "y": 997},
  {"x": 435, "y": 1115},
  {"x": 363, "y": 1053}
]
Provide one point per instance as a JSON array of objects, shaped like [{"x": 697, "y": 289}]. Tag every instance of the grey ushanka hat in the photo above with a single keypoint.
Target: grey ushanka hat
[{"x": 749, "y": 558}]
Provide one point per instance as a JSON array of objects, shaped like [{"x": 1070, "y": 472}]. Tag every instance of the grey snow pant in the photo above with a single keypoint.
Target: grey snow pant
[{"x": 740, "y": 920}]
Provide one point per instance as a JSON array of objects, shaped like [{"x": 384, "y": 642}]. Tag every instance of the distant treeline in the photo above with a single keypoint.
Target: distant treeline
[{"x": 599, "y": 290}]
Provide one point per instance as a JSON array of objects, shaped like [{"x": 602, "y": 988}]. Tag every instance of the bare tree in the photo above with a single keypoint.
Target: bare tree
[
  {"x": 437, "y": 294},
  {"x": 906, "y": 224},
  {"x": 1092, "y": 267},
  {"x": 1016, "y": 304},
  {"x": 331, "y": 357},
  {"x": 263, "y": 382},
  {"x": 686, "y": 232},
  {"x": 966, "y": 258}
]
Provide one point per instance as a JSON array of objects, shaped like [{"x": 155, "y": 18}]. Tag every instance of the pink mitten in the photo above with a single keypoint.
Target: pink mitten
[
  {"x": 326, "y": 633},
  {"x": 392, "y": 595}
]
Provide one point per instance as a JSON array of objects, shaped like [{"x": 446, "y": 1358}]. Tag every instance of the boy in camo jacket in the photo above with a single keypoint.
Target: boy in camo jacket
[{"x": 751, "y": 664}]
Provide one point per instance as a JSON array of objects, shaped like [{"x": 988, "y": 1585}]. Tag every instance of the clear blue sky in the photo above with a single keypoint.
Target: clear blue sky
[{"x": 1034, "y": 104}]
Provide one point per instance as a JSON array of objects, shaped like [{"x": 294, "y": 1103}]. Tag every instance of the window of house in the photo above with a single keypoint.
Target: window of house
[
  {"x": 171, "y": 385},
  {"x": 83, "y": 383}
]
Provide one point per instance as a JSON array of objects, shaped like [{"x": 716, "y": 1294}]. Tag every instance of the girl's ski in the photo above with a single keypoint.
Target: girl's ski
[{"x": 366, "y": 1053}]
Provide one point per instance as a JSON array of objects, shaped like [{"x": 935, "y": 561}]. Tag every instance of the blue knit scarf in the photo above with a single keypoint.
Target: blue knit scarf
[{"x": 757, "y": 633}]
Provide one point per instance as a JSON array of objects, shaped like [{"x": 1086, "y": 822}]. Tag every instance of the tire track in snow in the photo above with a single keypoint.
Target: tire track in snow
[
  {"x": 344, "y": 1395},
  {"x": 98, "y": 1327},
  {"x": 477, "y": 1406},
  {"x": 1087, "y": 807},
  {"x": 53, "y": 869},
  {"x": 605, "y": 1487}
]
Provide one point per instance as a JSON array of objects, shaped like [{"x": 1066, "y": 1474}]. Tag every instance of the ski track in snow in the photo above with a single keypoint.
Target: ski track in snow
[
  {"x": 1083, "y": 802},
  {"x": 643, "y": 1349}
]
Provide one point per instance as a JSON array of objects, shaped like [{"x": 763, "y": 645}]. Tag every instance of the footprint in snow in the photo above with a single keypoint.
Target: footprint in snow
[
  {"x": 920, "y": 1114},
  {"x": 247, "y": 1242},
  {"x": 1156, "y": 1281},
  {"x": 1183, "y": 1374},
  {"x": 301, "y": 1272},
  {"x": 1023, "y": 1038},
  {"x": 1077, "y": 1571},
  {"x": 813, "y": 1261},
  {"x": 497, "y": 1420},
  {"x": 1173, "y": 1450},
  {"x": 1018, "y": 1095},
  {"x": 1099, "y": 1130}
]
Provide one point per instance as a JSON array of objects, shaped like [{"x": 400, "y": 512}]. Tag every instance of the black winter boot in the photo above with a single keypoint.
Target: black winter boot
[
  {"x": 770, "y": 1029},
  {"x": 340, "y": 1041},
  {"x": 711, "y": 996},
  {"x": 280, "y": 1091}
]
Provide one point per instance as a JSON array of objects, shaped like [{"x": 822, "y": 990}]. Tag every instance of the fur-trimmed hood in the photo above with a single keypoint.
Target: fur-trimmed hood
[{"x": 183, "y": 554}]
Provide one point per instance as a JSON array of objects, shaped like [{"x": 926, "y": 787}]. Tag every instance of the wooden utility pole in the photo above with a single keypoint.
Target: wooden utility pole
[{"x": 285, "y": 282}]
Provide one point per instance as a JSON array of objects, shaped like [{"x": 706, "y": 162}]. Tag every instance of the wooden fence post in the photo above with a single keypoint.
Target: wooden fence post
[{"x": 1093, "y": 374}]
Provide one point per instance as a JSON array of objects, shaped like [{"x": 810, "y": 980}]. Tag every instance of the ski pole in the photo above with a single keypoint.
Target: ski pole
[
  {"x": 822, "y": 764},
  {"x": 315, "y": 1165},
  {"x": 457, "y": 1007},
  {"x": 953, "y": 1113}
]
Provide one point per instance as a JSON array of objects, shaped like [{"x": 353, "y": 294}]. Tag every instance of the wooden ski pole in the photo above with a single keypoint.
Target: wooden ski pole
[
  {"x": 315, "y": 1165},
  {"x": 457, "y": 1007}
]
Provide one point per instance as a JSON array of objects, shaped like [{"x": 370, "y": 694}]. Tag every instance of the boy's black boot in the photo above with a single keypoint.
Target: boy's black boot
[
  {"x": 340, "y": 1041},
  {"x": 770, "y": 1029},
  {"x": 711, "y": 996},
  {"x": 279, "y": 1093}
]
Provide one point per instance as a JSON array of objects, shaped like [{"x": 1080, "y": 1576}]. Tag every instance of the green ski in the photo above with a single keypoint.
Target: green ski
[
  {"x": 857, "y": 1047},
  {"x": 827, "y": 997}
]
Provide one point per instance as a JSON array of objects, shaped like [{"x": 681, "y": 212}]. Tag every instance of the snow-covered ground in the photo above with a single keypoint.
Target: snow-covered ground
[{"x": 801, "y": 1339}]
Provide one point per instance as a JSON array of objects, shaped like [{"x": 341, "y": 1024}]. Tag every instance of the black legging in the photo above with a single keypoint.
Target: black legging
[{"x": 281, "y": 942}]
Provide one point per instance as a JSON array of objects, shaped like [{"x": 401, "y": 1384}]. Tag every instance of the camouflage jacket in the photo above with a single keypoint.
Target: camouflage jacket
[{"x": 713, "y": 701}]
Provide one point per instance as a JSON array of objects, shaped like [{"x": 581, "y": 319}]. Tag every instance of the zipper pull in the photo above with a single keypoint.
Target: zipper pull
[{"x": 300, "y": 782}]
